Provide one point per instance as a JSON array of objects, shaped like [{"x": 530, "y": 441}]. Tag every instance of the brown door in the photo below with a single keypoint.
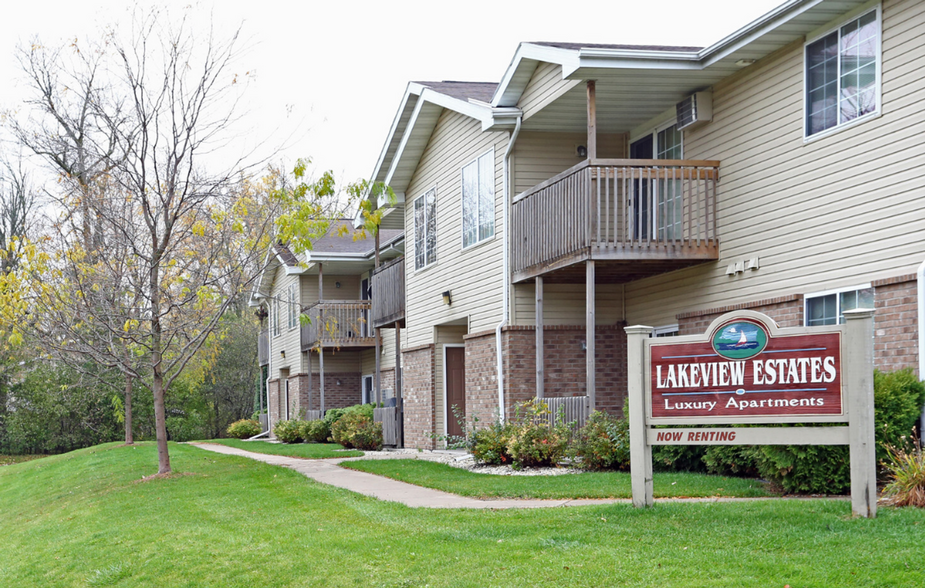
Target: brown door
[{"x": 455, "y": 389}]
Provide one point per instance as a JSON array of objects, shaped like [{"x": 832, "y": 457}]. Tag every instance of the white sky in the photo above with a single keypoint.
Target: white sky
[{"x": 330, "y": 75}]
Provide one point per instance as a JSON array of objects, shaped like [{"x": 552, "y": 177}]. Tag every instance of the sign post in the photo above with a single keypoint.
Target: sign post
[{"x": 747, "y": 370}]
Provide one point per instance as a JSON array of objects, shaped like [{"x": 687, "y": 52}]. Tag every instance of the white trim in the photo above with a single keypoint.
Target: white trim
[
  {"x": 836, "y": 291},
  {"x": 446, "y": 407},
  {"x": 462, "y": 208},
  {"x": 920, "y": 325},
  {"x": 839, "y": 126},
  {"x": 664, "y": 329},
  {"x": 372, "y": 388}
]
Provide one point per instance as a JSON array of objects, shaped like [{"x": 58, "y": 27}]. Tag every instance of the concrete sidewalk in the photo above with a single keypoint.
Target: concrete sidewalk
[{"x": 327, "y": 471}]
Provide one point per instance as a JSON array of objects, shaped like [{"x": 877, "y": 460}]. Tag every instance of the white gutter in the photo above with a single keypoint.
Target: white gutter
[
  {"x": 920, "y": 282},
  {"x": 505, "y": 310}
]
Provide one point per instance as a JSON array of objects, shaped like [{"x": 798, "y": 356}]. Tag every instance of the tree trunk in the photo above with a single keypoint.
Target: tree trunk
[
  {"x": 129, "y": 438},
  {"x": 160, "y": 423}
]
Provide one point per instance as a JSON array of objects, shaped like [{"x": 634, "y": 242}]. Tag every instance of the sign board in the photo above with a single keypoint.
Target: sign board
[{"x": 746, "y": 370}]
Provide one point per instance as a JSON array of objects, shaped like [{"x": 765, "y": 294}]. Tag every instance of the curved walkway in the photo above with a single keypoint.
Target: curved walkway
[{"x": 327, "y": 471}]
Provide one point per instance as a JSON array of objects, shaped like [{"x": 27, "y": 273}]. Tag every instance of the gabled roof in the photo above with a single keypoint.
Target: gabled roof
[
  {"x": 480, "y": 91},
  {"x": 668, "y": 48}
]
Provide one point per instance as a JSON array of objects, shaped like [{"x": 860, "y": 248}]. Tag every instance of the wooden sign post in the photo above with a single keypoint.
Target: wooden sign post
[{"x": 747, "y": 370}]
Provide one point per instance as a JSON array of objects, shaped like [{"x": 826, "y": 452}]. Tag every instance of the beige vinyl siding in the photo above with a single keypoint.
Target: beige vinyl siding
[
  {"x": 349, "y": 288},
  {"x": 543, "y": 88},
  {"x": 288, "y": 339},
  {"x": 473, "y": 275},
  {"x": 836, "y": 211},
  {"x": 564, "y": 304},
  {"x": 387, "y": 361},
  {"x": 335, "y": 361},
  {"x": 539, "y": 156}
]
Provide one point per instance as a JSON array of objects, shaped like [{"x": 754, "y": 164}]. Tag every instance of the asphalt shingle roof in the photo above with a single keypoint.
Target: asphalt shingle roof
[{"x": 481, "y": 91}]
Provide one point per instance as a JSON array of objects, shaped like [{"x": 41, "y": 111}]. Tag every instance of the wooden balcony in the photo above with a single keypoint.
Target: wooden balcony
[
  {"x": 263, "y": 347},
  {"x": 638, "y": 217},
  {"x": 338, "y": 324},
  {"x": 388, "y": 286}
]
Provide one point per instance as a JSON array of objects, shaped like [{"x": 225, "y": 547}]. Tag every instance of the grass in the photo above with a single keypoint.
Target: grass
[
  {"x": 585, "y": 485},
  {"x": 6, "y": 460},
  {"x": 304, "y": 450},
  {"x": 87, "y": 519}
]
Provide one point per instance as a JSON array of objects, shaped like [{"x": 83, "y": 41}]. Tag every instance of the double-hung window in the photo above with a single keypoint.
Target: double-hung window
[
  {"x": 293, "y": 307},
  {"x": 828, "y": 308},
  {"x": 478, "y": 199},
  {"x": 843, "y": 74},
  {"x": 425, "y": 229},
  {"x": 274, "y": 316}
]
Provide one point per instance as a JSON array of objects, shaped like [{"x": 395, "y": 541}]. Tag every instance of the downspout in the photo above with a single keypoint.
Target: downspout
[
  {"x": 920, "y": 283},
  {"x": 505, "y": 306}
]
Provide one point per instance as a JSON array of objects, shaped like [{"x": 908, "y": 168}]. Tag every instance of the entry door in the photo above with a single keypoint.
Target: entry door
[
  {"x": 368, "y": 392},
  {"x": 455, "y": 384},
  {"x": 640, "y": 213}
]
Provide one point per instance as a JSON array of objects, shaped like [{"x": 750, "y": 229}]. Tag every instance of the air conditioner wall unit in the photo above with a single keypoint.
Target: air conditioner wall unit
[{"x": 695, "y": 110}]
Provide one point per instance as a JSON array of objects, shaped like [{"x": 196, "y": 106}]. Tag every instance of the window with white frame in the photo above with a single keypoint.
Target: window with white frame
[
  {"x": 828, "y": 308},
  {"x": 478, "y": 200},
  {"x": 425, "y": 229},
  {"x": 666, "y": 331},
  {"x": 843, "y": 74},
  {"x": 274, "y": 317},
  {"x": 293, "y": 304}
]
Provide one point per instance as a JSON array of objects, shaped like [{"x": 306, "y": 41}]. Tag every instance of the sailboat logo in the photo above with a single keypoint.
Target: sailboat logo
[{"x": 739, "y": 340}]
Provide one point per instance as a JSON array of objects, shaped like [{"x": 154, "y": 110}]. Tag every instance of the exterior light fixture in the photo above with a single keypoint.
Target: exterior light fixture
[
  {"x": 744, "y": 62},
  {"x": 337, "y": 284},
  {"x": 582, "y": 151},
  {"x": 447, "y": 299},
  {"x": 338, "y": 382},
  {"x": 282, "y": 353}
]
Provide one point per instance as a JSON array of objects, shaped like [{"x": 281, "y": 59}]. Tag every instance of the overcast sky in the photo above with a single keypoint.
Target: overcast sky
[{"x": 328, "y": 76}]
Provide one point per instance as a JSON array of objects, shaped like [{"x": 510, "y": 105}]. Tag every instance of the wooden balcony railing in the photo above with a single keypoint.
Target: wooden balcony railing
[
  {"x": 617, "y": 209},
  {"x": 338, "y": 323},
  {"x": 263, "y": 347},
  {"x": 388, "y": 288}
]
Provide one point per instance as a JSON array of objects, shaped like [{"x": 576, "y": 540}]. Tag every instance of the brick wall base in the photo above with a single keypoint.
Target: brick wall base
[
  {"x": 342, "y": 395},
  {"x": 418, "y": 386},
  {"x": 274, "y": 404}
]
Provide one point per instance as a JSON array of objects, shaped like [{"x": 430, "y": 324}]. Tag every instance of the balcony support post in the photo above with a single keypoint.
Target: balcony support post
[
  {"x": 589, "y": 334},
  {"x": 378, "y": 336},
  {"x": 592, "y": 120},
  {"x": 540, "y": 367},
  {"x": 320, "y": 330},
  {"x": 309, "y": 354}
]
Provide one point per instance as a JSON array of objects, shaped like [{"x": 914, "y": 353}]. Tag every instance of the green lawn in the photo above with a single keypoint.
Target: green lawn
[
  {"x": 585, "y": 485},
  {"x": 87, "y": 519},
  {"x": 305, "y": 450}
]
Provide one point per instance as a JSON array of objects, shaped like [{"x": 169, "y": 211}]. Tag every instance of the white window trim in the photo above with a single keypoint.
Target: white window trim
[
  {"x": 414, "y": 262},
  {"x": 810, "y": 295},
  {"x": 292, "y": 313},
  {"x": 877, "y": 86},
  {"x": 653, "y": 132},
  {"x": 274, "y": 317},
  {"x": 462, "y": 233},
  {"x": 372, "y": 390}
]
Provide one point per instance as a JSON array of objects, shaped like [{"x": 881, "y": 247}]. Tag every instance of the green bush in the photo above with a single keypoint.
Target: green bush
[
  {"x": 734, "y": 460},
  {"x": 357, "y": 430},
  {"x": 316, "y": 431},
  {"x": 532, "y": 442},
  {"x": 489, "y": 445},
  {"x": 603, "y": 443},
  {"x": 243, "y": 429},
  {"x": 906, "y": 466},
  {"x": 898, "y": 399},
  {"x": 288, "y": 431}
]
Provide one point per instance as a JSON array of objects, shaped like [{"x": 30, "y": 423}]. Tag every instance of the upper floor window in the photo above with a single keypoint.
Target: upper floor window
[
  {"x": 293, "y": 307},
  {"x": 478, "y": 199},
  {"x": 828, "y": 308},
  {"x": 425, "y": 229},
  {"x": 843, "y": 74},
  {"x": 274, "y": 317}
]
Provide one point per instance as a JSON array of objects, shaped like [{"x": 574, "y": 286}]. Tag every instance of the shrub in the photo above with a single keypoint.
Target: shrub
[
  {"x": 316, "y": 431},
  {"x": 898, "y": 399},
  {"x": 906, "y": 467},
  {"x": 356, "y": 429},
  {"x": 532, "y": 442},
  {"x": 243, "y": 429},
  {"x": 603, "y": 443},
  {"x": 288, "y": 431},
  {"x": 489, "y": 445}
]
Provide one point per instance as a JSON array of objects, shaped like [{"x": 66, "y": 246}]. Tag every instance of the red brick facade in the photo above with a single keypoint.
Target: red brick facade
[
  {"x": 418, "y": 385},
  {"x": 336, "y": 395},
  {"x": 787, "y": 311},
  {"x": 896, "y": 329}
]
